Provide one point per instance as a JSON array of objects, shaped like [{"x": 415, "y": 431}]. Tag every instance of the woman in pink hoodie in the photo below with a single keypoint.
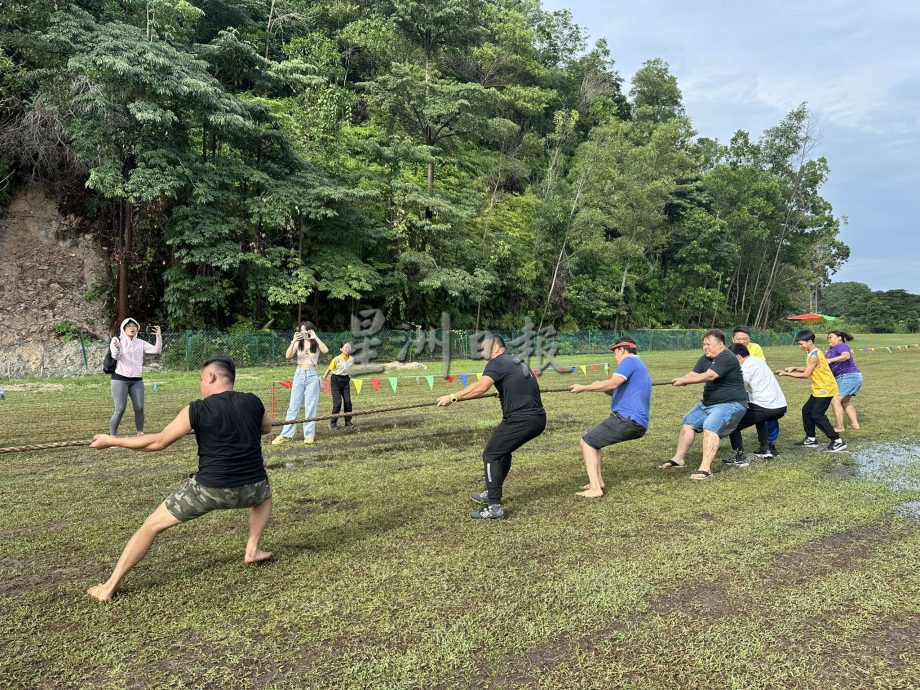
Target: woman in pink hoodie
[{"x": 129, "y": 351}]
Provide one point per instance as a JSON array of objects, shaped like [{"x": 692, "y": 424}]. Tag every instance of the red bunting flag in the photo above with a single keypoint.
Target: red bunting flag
[
  {"x": 375, "y": 382},
  {"x": 594, "y": 367},
  {"x": 451, "y": 379},
  {"x": 286, "y": 384}
]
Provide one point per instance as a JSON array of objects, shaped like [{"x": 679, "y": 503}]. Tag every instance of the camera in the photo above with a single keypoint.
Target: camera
[{"x": 151, "y": 329}]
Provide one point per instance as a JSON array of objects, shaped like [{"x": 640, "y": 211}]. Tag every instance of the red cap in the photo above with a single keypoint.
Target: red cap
[{"x": 623, "y": 343}]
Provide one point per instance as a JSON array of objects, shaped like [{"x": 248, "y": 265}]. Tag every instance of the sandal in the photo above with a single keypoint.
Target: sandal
[
  {"x": 669, "y": 464},
  {"x": 700, "y": 475}
]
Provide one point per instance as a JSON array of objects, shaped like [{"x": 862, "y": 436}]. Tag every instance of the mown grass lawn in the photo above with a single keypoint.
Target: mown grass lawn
[{"x": 794, "y": 573}]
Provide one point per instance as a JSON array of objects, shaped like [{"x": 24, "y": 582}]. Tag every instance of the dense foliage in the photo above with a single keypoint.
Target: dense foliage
[
  {"x": 249, "y": 160},
  {"x": 878, "y": 312}
]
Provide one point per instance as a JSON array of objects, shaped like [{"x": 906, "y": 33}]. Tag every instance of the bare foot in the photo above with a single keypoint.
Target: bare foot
[
  {"x": 590, "y": 493},
  {"x": 588, "y": 486},
  {"x": 258, "y": 557},
  {"x": 840, "y": 430},
  {"x": 855, "y": 426},
  {"x": 100, "y": 593}
]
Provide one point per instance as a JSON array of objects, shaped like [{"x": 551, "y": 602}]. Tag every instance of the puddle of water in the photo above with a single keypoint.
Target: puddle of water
[
  {"x": 910, "y": 510},
  {"x": 896, "y": 463}
]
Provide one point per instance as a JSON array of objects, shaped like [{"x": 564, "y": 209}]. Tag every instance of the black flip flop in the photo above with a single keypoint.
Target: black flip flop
[
  {"x": 670, "y": 464},
  {"x": 704, "y": 473}
]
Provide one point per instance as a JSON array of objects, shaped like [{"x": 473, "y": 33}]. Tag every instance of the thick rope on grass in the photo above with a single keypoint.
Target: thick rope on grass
[{"x": 319, "y": 418}]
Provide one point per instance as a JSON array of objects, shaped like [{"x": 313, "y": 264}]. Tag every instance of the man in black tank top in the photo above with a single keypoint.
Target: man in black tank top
[
  {"x": 228, "y": 426},
  {"x": 523, "y": 418}
]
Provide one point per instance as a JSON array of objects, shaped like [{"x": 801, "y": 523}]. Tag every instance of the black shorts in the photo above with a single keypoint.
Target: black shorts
[{"x": 614, "y": 429}]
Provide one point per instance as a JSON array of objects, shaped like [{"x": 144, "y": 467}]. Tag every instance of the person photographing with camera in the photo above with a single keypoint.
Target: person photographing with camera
[
  {"x": 306, "y": 346},
  {"x": 127, "y": 381}
]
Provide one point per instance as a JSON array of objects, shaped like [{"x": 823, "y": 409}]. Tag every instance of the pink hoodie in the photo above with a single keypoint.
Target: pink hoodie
[{"x": 130, "y": 354}]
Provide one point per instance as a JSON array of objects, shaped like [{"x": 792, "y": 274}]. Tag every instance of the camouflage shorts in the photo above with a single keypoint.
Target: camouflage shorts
[{"x": 194, "y": 500}]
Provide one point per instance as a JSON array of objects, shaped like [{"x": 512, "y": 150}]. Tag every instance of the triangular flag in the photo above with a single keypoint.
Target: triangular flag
[
  {"x": 430, "y": 381},
  {"x": 574, "y": 369},
  {"x": 464, "y": 379},
  {"x": 393, "y": 383},
  {"x": 535, "y": 372},
  {"x": 606, "y": 367},
  {"x": 286, "y": 384},
  {"x": 358, "y": 383},
  {"x": 584, "y": 369},
  {"x": 594, "y": 367},
  {"x": 450, "y": 379},
  {"x": 478, "y": 376},
  {"x": 375, "y": 382}
]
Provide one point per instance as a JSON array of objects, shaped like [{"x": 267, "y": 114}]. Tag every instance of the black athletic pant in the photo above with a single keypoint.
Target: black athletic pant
[
  {"x": 756, "y": 416},
  {"x": 814, "y": 414},
  {"x": 510, "y": 435},
  {"x": 340, "y": 386}
]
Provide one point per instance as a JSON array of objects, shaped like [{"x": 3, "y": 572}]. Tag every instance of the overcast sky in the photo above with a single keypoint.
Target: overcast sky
[{"x": 745, "y": 65}]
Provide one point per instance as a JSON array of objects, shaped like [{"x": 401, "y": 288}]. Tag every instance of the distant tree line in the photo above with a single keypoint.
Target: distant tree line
[{"x": 877, "y": 312}]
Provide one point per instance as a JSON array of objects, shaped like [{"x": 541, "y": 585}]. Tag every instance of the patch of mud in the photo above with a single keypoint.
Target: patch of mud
[
  {"x": 895, "y": 463},
  {"x": 910, "y": 510}
]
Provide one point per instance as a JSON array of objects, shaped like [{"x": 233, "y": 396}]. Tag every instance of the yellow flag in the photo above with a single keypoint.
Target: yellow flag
[
  {"x": 478, "y": 376},
  {"x": 358, "y": 383},
  {"x": 584, "y": 370}
]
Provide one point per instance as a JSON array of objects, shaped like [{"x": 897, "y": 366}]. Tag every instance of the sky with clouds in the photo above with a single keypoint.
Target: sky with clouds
[{"x": 745, "y": 65}]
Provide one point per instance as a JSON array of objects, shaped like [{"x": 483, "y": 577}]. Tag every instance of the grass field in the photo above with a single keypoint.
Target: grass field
[{"x": 799, "y": 572}]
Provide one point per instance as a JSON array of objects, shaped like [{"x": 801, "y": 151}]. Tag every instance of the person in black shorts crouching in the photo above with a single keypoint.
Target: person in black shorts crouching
[
  {"x": 523, "y": 418},
  {"x": 228, "y": 426}
]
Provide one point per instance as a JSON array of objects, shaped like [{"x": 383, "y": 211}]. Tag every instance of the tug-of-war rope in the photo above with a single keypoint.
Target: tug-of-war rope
[{"x": 319, "y": 418}]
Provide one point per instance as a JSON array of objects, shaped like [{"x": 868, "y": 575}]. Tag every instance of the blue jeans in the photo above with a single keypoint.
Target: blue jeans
[
  {"x": 720, "y": 419},
  {"x": 305, "y": 391}
]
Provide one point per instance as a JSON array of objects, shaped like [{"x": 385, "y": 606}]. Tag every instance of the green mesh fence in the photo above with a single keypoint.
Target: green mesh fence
[{"x": 188, "y": 350}]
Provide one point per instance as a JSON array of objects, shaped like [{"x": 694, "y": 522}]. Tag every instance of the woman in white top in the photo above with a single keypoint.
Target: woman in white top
[
  {"x": 127, "y": 380},
  {"x": 306, "y": 347}
]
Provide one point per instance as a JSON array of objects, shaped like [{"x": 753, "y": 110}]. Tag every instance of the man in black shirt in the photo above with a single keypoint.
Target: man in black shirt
[
  {"x": 231, "y": 474},
  {"x": 523, "y": 418},
  {"x": 724, "y": 403}
]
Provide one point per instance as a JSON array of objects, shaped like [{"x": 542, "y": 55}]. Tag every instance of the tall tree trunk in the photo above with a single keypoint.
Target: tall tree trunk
[
  {"x": 552, "y": 286},
  {"x": 127, "y": 223},
  {"x": 300, "y": 256}
]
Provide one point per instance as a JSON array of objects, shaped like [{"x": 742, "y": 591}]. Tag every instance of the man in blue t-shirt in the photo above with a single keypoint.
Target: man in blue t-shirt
[
  {"x": 228, "y": 427},
  {"x": 630, "y": 387}
]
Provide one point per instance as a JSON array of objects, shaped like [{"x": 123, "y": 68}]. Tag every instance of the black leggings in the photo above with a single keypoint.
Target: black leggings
[
  {"x": 814, "y": 414},
  {"x": 510, "y": 435},
  {"x": 340, "y": 386},
  {"x": 756, "y": 416}
]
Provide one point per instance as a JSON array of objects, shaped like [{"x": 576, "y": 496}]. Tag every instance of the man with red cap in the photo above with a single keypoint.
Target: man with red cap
[{"x": 630, "y": 388}]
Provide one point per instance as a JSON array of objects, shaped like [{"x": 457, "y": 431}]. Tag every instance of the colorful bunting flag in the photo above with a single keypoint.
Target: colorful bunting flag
[
  {"x": 464, "y": 379},
  {"x": 286, "y": 384},
  {"x": 478, "y": 376},
  {"x": 358, "y": 383},
  {"x": 584, "y": 369},
  {"x": 393, "y": 383},
  {"x": 606, "y": 368},
  {"x": 594, "y": 367},
  {"x": 375, "y": 382},
  {"x": 430, "y": 381},
  {"x": 451, "y": 379}
]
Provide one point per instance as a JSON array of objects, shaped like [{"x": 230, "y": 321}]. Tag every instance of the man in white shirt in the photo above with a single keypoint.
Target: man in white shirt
[{"x": 766, "y": 402}]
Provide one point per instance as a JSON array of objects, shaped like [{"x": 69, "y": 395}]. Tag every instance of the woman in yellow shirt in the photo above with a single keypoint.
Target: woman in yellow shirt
[{"x": 823, "y": 390}]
